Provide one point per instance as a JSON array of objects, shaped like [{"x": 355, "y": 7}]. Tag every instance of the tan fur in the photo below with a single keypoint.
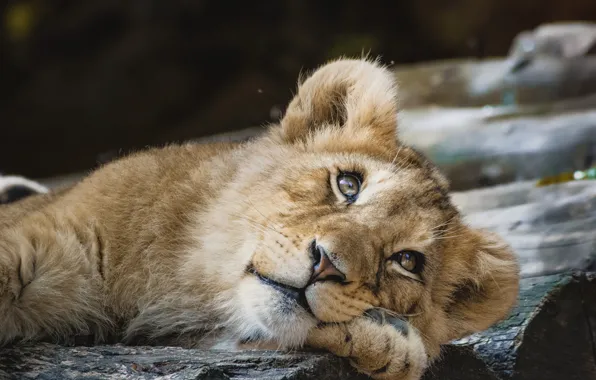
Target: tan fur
[{"x": 155, "y": 247}]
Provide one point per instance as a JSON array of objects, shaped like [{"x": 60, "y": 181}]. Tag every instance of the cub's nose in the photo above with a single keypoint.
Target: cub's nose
[{"x": 323, "y": 269}]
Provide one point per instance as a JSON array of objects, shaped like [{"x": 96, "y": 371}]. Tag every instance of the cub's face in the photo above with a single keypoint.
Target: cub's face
[{"x": 342, "y": 218}]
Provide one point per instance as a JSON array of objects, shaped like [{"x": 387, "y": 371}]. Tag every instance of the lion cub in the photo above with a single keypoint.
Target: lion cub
[{"x": 324, "y": 232}]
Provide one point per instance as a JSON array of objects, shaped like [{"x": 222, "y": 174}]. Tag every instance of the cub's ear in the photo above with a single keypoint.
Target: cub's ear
[
  {"x": 353, "y": 99},
  {"x": 483, "y": 283}
]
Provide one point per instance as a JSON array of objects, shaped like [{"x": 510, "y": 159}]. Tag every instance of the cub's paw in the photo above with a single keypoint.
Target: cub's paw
[{"x": 377, "y": 344}]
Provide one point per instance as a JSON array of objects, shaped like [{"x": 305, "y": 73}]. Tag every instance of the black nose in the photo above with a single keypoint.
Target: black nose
[{"x": 323, "y": 269}]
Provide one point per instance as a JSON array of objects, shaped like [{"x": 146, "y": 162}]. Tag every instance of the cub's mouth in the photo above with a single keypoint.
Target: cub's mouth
[{"x": 289, "y": 292}]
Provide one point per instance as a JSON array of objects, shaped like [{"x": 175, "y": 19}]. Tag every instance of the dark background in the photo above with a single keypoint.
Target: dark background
[{"x": 83, "y": 80}]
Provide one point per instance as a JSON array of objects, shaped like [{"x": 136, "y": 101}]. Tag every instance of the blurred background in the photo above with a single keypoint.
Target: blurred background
[{"x": 487, "y": 95}]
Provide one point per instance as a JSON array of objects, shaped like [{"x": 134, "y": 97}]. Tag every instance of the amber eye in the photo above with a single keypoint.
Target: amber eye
[
  {"x": 349, "y": 185},
  {"x": 411, "y": 261}
]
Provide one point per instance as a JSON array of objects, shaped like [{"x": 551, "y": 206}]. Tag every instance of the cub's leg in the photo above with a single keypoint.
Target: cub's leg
[
  {"x": 378, "y": 345},
  {"x": 49, "y": 283}
]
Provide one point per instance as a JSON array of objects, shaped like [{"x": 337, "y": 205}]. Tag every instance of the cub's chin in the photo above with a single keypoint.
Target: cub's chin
[{"x": 272, "y": 312}]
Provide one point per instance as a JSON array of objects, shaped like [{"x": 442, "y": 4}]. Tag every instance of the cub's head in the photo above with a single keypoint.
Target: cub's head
[{"x": 338, "y": 217}]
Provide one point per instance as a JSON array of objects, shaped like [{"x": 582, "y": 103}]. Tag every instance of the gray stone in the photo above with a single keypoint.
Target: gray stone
[
  {"x": 47, "y": 361},
  {"x": 558, "y": 40}
]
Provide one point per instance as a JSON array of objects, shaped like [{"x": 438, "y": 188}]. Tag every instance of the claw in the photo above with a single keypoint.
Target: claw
[
  {"x": 381, "y": 317},
  {"x": 399, "y": 324}
]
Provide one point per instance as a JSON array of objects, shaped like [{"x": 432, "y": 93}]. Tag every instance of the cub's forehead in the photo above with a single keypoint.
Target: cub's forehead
[
  {"x": 385, "y": 183},
  {"x": 401, "y": 187}
]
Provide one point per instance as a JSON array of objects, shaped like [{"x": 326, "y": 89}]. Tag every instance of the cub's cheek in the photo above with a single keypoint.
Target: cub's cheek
[
  {"x": 270, "y": 315},
  {"x": 289, "y": 267},
  {"x": 266, "y": 306},
  {"x": 257, "y": 300},
  {"x": 331, "y": 302}
]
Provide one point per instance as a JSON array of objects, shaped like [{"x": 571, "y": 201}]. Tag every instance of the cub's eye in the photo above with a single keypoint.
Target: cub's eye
[
  {"x": 349, "y": 185},
  {"x": 411, "y": 261}
]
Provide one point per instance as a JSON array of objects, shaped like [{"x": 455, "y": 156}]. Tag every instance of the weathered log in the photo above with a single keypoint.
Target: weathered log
[
  {"x": 552, "y": 229},
  {"x": 480, "y": 148},
  {"x": 548, "y": 336}
]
